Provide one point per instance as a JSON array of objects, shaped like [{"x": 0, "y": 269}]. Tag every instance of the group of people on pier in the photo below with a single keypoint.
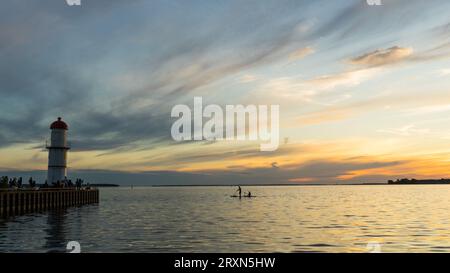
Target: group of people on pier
[
  {"x": 16, "y": 183},
  {"x": 65, "y": 183}
]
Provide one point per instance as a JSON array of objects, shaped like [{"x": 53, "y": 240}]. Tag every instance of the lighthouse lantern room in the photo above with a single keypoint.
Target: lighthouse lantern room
[{"x": 57, "y": 152}]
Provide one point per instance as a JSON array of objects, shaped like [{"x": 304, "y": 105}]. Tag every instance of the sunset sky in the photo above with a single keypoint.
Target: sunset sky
[{"x": 364, "y": 91}]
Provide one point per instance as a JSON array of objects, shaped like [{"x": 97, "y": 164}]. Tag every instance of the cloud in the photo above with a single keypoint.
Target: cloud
[
  {"x": 333, "y": 171},
  {"x": 345, "y": 79},
  {"x": 110, "y": 80},
  {"x": 382, "y": 57},
  {"x": 301, "y": 53},
  {"x": 407, "y": 130},
  {"x": 324, "y": 116},
  {"x": 443, "y": 72},
  {"x": 418, "y": 102},
  {"x": 115, "y": 82},
  {"x": 320, "y": 90},
  {"x": 247, "y": 78}
]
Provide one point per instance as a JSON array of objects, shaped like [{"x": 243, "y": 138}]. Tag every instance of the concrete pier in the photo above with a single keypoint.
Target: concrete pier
[{"x": 18, "y": 202}]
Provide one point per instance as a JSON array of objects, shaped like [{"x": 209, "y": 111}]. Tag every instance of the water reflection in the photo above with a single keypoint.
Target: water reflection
[{"x": 56, "y": 231}]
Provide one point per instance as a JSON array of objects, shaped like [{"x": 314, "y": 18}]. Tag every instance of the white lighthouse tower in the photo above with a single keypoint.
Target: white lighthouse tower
[{"x": 57, "y": 152}]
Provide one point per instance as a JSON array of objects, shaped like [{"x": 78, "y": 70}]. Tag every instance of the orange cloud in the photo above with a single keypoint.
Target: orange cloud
[
  {"x": 383, "y": 56},
  {"x": 301, "y": 53},
  {"x": 302, "y": 180},
  {"x": 412, "y": 103}
]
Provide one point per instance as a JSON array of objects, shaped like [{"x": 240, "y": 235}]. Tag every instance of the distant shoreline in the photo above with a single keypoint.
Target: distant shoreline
[
  {"x": 105, "y": 185},
  {"x": 264, "y": 185},
  {"x": 413, "y": 181},
  {"x": 296, "y": 185},
  {"x": 256, "y": 185}
]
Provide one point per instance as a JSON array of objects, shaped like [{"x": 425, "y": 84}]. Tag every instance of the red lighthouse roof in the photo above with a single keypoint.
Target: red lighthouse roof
[{"x": 59, "y": 124}]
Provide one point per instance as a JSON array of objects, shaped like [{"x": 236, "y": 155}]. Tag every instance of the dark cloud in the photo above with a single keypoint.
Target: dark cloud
[
  {"x": 63, "y": 61},
  {"x": 207, "y": 156}
]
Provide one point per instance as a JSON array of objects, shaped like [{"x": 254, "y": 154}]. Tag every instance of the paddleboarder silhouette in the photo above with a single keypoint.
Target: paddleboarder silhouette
[{"x": 239, "y": 190}]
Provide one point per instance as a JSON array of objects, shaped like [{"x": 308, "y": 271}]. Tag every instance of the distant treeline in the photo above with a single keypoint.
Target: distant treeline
[
  {"x": 413, "y": 181},
  {"x": 104, "y": 185}
]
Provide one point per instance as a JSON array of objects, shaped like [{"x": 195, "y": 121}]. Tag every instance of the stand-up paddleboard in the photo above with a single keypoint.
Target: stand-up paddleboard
[{"x": 243, "y": 196}]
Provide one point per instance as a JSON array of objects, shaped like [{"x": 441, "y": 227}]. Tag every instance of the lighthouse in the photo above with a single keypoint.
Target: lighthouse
[{"x": 57, "y": 152}]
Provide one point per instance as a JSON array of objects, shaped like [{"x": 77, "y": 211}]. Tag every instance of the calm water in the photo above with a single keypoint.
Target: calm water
[{"x": 280, "y": 219}]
